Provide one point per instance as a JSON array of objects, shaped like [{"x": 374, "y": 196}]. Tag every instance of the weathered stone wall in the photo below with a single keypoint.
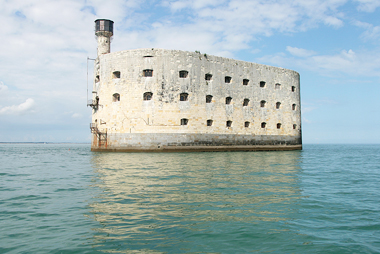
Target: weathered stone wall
[{"x": 134, "y": 122}]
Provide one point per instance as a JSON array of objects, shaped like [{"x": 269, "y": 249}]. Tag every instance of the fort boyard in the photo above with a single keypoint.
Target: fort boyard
[{"x": 158, "y": 100}]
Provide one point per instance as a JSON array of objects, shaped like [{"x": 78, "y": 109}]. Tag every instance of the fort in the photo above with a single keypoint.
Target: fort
[{"x": 162, "y": 100}]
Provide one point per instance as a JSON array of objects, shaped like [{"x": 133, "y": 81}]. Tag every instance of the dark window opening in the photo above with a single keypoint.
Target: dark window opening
[
  {"x": 209, "y": 122},
  {"x": 183, "y": 74},
  {"x": 97, "y": 78},
  {"x": 228, "y": 124},
  {"x": 279, "y": 126},
  {"x": 277, "y": 86},
  {"x": 148, "y": 73},
  {"x": 183, "y": 96},
  {"x": 208, "y": 98},
  {"x": 148, "y": 56},
  {"x": 294, "y": 107},
  {"x": 208, "y": 76},
  {"x": 278, "y": 104},
  {"x": 263, "y": 124},
  {"x": 262, "y": 103},
  {"x": 245, "y": 82},
  {"x": 147, "y": 96},
  {"x": 228, "y": 100},
  {"x": 116, "y": 74},
  {"x": 115, "y": 97},
  {"x": 293, "y": 88},
  {"x": 262, "y": 83},
  {"x": 294, "y": 126},
  {"x": 184, "y": 121},
  {"x": 246, "y": 124},
  {"x": 245, "y": 102},
  {"x": 227, "y": 79}
]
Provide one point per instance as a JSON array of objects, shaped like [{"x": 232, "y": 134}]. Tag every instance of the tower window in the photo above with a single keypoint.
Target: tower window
[
  {"x": 116, "y": 74},
  {"x": 147, "y": 96},
  {"x": 115, "y": 97},
  {"x": 227, "y": 79},
  {"x": 228, "y": 124},
  {"x": 183, "y": 96},
  {"x": 184, "y": 121},
  {"x": 263, "y": 124},
  {"x": 277, "y": 86},
  {"x": 278, "y": 105},
  {"x": 97, "y": 78},
  {"x": 148, "y": 73},
  {"x": 208, "y": 98},
  {"x": 279, "y": 126},
  {"x": 262, "y": 83},
  {"x": 245, "y": 82},
  {"x": 245, "y": 102},
  {"x": 246, "y": 124},
  {"x": 209, "y": 122},
  {"x": 294, "y": 126},
  {"x": 208, "y": 76},
  {"x": 293, "y": 88},
  {"x": 228, "y": 100},
  {"x": 262, "y": 103},
  {"x": 294, "y": 107},
  {"x": 183, "y": 74}
]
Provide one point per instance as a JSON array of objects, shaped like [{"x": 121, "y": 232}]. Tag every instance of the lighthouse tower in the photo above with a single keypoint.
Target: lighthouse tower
[{"x": 104, "y": 32}]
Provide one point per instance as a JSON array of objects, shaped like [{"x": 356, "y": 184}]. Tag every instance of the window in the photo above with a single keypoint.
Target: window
[
  {"x": 262, "y": 103},
  {"x": 148, "y": 73},
  {"x": 228, "y": 124},
  {"x": 246, "y": 124},
  {"x": 209, "y": 122},
  {"x": 228, "y": 100},
  {"x": 293, "y": 88},
  {"x": 184, "y": 121},
  {"x": 294, "y": 107},
  {"x": 147, "y": 96},
  {"x": 294, "y": 126},
  {"x": 279, "y": 126},
  {"x": 208, "y": 98},
  {"x": 208, "y": 76},
  {"x": 115, "y": 97},
  {"x": 277, "y": 86},
  {"x": 97, "y": 78},
  {"x": 183, "y": 74},
  {"x": 245, "y": 82},
  {"x": 183, "y": 96},
  {"x": 263, "y": 124},
  {"x": 245, "y": 102},
  {"x": 147, "y": 56},
  {"x": 227, "y": 79},
  {"x": 262, "y": 83},
  {"x": 116, "y": 74},
  {"x": 278, "y": 105}
]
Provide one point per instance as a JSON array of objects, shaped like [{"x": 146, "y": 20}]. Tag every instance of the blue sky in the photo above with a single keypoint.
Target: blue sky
[{"x": 333, "y": 44}]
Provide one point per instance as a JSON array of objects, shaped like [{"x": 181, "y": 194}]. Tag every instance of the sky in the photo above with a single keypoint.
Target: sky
[{"x": 333, "y": 44}]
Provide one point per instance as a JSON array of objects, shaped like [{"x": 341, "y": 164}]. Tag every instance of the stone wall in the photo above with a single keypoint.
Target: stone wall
[{"x": 122, "y": 110}]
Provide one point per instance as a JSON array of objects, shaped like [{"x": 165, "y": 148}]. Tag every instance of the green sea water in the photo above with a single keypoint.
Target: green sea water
[{"x": 62, "y": 198}]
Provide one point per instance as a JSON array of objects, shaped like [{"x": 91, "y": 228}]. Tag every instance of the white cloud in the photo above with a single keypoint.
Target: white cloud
[
  {"x": 371, "y": 32},
  {"x": 3, "y": 87},
  {"x": 364, "y": 63},
  {"x": 23, "y": 108},
  {"x": 300, "y": 52},
  {"x": 368, "y": 5},
  {"x": 76, "y": 115}
]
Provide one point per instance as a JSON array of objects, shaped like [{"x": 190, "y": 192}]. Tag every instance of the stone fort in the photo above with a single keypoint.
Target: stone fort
[{"x": 169, "y": 100}]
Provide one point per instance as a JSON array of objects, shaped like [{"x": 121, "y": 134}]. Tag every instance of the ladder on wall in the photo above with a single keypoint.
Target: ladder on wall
[{"x": 101, "y": 136}]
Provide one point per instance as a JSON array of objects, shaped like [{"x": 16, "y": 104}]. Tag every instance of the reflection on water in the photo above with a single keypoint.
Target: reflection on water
[{"x": 179, "y": 202}]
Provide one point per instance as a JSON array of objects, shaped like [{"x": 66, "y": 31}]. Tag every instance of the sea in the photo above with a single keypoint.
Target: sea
[{"x": 63, "y": 198}]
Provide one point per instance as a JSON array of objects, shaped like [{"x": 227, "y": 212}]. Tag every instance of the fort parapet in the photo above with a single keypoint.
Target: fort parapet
[{"x": 170, "y": 100}]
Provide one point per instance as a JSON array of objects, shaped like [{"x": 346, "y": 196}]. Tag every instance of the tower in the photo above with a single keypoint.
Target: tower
[{"x": 104, "y": 32}]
